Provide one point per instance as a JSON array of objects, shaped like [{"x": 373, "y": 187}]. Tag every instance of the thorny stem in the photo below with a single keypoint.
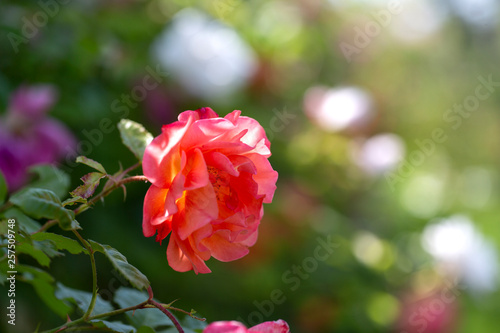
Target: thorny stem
[
  {"x": 169, "y": 315},
  {"x": 169, "y": 307},
  {"x": 108, "y": 191},
  {"x": 46, "y": 226},
  {"x": 102, "y": 315},
  {"x": 164, "y": 310},
  {"x": 82, "y": 207},
  {"x": 133, "y": 167},
  {"x": 149, "y": 303}
]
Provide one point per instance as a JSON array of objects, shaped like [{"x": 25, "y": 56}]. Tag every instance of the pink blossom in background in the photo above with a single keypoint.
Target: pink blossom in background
[
  {"x": 435, "y": 313},
  {"x": 33, "y": 102},
  {"x": 28, "y": 136},
  {"x": 210, "y": 177},
  {"x": 278, "y": 326}
]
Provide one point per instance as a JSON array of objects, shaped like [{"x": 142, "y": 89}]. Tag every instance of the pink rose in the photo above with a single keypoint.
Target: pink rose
[
  {"x": 278, "y": 326},
  {"x": 210, "y": 177}
]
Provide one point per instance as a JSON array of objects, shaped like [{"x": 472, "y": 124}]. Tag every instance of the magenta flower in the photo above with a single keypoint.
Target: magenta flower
[
  {"x": 28, "y": 136},
  {"x": 278, "y": 326}
]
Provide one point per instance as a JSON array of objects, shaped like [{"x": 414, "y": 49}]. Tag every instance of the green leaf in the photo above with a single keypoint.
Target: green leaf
[
  {"x": 194, "y": 324},
  {"x": 34, "y": 251},
  {"x": 91, "y": 163},
  {"x": 60, "y": 242},
  {"x": 3, "y": 188},
  {"x": 50, "y": 178},
  {"x": 39, "y": 247},
  {"x": 134, "y": 136},
  {"x": 90, "y": 183},
  {"x": 40, "y": 203},
  {"x": 151, "y": 317},
  {"x": 116, "y": 326},
  {"x": 24, "y": 222},
  {"x": 132, "y": 274},
  {"x": 145, "y": 329},
  {"x": 4, "y": 227},
  {"x": 43, "y": 284},
  {"x": 82, "y": 299}
]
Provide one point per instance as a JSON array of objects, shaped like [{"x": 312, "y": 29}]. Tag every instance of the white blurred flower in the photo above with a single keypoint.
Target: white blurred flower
[
  {"x": 208, "y": 58},
  {"x": 456, "y": 243},
  {"x": 352, "y": 3},
  {"x": 379, "y": 154},
  {"x": 482, "y": 14},
  {"x": 418, "y": 20},
  {"x": 339, "y": 108}
]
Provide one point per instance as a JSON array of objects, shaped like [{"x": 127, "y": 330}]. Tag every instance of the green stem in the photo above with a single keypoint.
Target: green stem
[
  {"x": 46, "y": 226},
  {"x": 94, "y": 286},
  {"x": 99, "y": 316},
  {"x": 133, "y": 167},
  {"x": 87, "y": 328},
  {"x": 150, "y": 303},
  {"x": 83, "y": 207},
  {"x": 169, "y": 307}
]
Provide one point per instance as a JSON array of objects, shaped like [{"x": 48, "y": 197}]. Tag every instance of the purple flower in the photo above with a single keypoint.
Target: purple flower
[
  {"x": 33, "y": 102},
  {"x": 28, "y": 136}
]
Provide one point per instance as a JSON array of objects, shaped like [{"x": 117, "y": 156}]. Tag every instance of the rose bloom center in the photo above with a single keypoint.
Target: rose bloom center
[{"x": 227, "y": 199}]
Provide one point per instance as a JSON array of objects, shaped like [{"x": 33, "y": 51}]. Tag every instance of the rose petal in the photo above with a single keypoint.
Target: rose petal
[
  {"x": 202, "y": 113},
  {"x": 200, "y": 207},
  {"x": 175, "y": 192},
  {"x": 176, "y": 257},
  {"x": 265, "y": 177},
  {"x": 182, "y": 257},
  {"x": 222, "y": 249},
  {"x": 162, "y": 157},
  {"x": 278, "y": 326},
  {"x": 225, "y": 327},
  {"x": 153, "y": 210},
  {"x": 221, "y": 162},
  {"x": 196, "y": 168},
  {"x": 233, "y": 116},
  {"x": 250, "y": 239},
  {"x": 243, "y": 163},
  {"x": 206, "y": 130},
  {"x": 246, "y": 190},
  {"x": 255, "y": 133}
]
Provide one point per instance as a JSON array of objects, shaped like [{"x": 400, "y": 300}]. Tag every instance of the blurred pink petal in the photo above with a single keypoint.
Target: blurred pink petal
[
  {"x": 28, "y": 137},
  {"x": 225, "y": 327},
  {"x": 278, "y": 326},
  {"x": 33, "y": 102}
]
